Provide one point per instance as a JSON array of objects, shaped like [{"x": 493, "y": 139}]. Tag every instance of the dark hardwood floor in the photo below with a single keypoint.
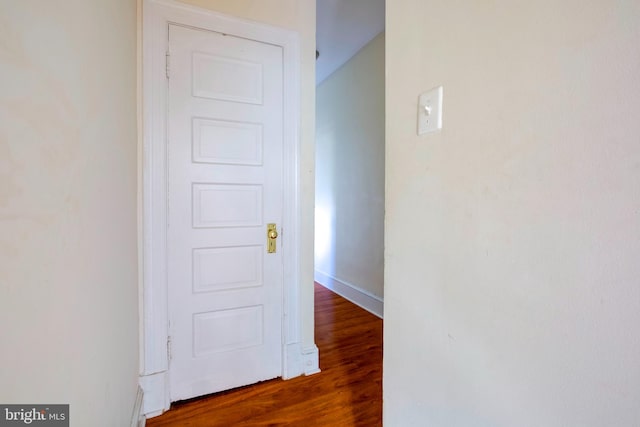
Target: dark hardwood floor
[{"x": 348, "y": 391}]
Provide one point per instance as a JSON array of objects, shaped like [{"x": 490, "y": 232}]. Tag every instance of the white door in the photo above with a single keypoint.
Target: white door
[{"x": 225, "y": 185}]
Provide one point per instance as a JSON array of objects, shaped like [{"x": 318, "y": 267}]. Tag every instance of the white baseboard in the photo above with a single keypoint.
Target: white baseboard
[
  {"x": 311, "y": 360},
  {"x": 301, "y": 361},
  {"x": 156, "y": 394},
  {"x": 137, "y": 418},
  {"x": 356, "y": 295}
]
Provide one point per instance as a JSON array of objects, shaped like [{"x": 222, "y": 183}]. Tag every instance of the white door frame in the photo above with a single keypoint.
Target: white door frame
[{"x": 155, "y": 347}]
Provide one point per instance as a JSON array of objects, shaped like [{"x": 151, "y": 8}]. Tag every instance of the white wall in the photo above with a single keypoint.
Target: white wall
[
  {"x": 512, "y": 293},
  {"x": 68, "y": 254},
  {"x": 301, "y": 17},
  {"x": 349, "y": 245}
]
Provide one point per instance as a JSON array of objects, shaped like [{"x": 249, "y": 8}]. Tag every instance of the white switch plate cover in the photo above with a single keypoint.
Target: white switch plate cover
[{"x": 430, "y": 111}]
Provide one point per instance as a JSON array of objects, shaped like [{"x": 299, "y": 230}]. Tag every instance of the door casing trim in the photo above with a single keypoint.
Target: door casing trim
[{"x": 155, "y": 345}]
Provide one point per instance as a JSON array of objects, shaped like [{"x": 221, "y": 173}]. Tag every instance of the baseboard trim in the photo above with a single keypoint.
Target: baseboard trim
[
  {"x": 137, "y": 418},
  {"x": 156, "y": 394},
  {"x": 358, "y": 296},
  {"x": 311, "y": 360}
]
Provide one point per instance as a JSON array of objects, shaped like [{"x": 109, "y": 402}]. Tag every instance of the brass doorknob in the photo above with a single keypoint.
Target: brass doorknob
[{"x": 272, "y": 234}]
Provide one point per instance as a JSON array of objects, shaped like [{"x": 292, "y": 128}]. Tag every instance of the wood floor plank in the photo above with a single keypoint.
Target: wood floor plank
[{"x": 348, "y": 391}]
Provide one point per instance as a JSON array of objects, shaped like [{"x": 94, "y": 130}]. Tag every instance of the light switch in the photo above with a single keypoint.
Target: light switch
[{"x": 430, "y": 111}]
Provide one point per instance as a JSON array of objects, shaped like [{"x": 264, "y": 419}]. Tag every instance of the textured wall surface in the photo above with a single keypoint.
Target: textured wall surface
[
  {"x": 68, "y": 239},
  {"x": 512, "y": 291}
]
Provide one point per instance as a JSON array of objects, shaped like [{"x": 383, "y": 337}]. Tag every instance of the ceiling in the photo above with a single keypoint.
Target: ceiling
[{"x": 343, "y": 27}]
